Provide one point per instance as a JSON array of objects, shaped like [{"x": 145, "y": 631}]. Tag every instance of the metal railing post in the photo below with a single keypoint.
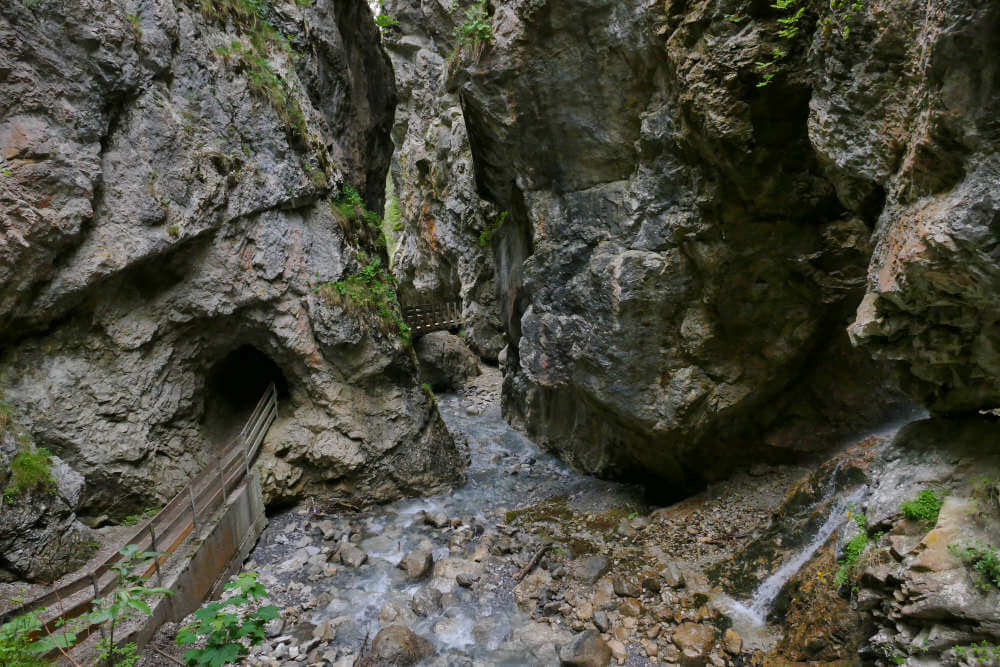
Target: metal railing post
[
  {"x": 194, "y": 513},
  {"x": 246, "y": 455}
]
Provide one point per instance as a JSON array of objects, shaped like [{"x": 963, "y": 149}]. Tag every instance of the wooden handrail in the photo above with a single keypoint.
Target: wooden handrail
[{"x": 205, "y": 491}]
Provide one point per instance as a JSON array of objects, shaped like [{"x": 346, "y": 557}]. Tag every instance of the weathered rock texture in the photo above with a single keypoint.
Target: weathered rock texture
[
  {"x": 164, "y": 227},
  {"x": 444, "y": 251},
  {"x": 908, "y": 113},
  {"x": 678, "y": 266},
  {"x": 40, "y": 536}
]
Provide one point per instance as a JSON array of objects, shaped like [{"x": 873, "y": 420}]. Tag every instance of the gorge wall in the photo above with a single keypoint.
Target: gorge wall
[
  {"x": 168, "y": 243},
  {"x": 684, "y": 248}
]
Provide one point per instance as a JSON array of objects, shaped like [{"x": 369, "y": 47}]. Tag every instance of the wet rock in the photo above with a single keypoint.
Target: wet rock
[
  {"x": 466, "y": 579},
  {"x": 417, "y": 564},
  {"x": 398, "y": 645},
  {"x": 694, "y": 639},
  {"x": 436, "y": 519},
  {"x": 732, "y": 641},
  {"x": 587, "y": 650},
  {"x": 351, "y": 555},
  {"x": 426, "y": 601}
]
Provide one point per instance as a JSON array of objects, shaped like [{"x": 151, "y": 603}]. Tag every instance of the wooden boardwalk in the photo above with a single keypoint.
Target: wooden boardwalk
[
  {"x": 196, "y": 504},
  {"x": 428, "y": 317}
]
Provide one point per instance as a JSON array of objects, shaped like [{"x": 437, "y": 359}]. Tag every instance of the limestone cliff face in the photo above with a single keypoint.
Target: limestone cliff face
[
  {"x": 444, "y": 252},
  {"x": 165, "y": 227},
  {"x": 677, "y": 268},
  {"x": 922, "y": 132}
]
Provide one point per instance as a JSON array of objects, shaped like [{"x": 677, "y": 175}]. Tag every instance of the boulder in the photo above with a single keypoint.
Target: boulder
[
  {"x": 417, "y": 564},
  {"x": 446, "y": 363},
  {"x": 588, "y": 649},
  {"x": 398, "y": 645}
]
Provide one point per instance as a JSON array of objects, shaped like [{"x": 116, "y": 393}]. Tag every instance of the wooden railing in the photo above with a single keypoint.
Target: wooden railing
[
  {"x": 428, "y": 317},
  {"x": 167, "y": 530}
]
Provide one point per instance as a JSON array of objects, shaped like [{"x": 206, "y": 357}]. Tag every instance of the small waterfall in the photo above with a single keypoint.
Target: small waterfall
[{"x": 755, "y": 610}]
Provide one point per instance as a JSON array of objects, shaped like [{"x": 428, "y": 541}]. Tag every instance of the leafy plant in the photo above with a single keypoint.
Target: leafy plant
[
  {"x": 136, "y": 26},
  {"x": 16, "y": 641},
  {"x": 491, "y": 229},
  {"x": 924, "y": 508},
  {"x": 855, "y": 547},
  {"x": 475, "y": 26},
  {"x": 984, "y": 561},
  {"x": 372, "y": 289},
  {"x": 383, "y": 20},
  {"x": 30, "y": 469},
  {"x": 228, "y": 635},
  {"x": 127, "y": 599},
  {"x": 133, "y": 519}
]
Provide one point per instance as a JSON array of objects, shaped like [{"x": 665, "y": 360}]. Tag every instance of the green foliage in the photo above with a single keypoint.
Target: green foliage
[
  {"x": 252, "y": 56},
  {"x": 841, "y": 13},
  {"x": 133, "y": 519},
  {"x": 372, "y": 289},
  {"x": 133, "y": 21},
  {"x": 30, "y": 469},
  {"x": 383, "y": 20},
  {"x": 16, "y": 642},
  {"x": 924, "y": 508},
  {"x": 22, "y": 639},
  {"x": 228, "y": 635},
  {"x": 855, "y": 547},
  {"x": 984, "y": 562},
  {"x": 982, "y": 653},
  {"x": 491, "y": 229},
  {"x": 475, "y": 26}
]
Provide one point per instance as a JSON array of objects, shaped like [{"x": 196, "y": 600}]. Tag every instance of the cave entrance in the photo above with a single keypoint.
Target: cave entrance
[{"x": 232, "y": 390}]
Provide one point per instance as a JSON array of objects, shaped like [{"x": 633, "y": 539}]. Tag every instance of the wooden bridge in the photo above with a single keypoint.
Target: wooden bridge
[
  {"x": 428, "y": 317},
  {"x": 188, "y": 512}
]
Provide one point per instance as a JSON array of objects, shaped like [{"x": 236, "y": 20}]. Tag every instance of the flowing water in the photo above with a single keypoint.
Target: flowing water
[{"x": 505, "y": 470}]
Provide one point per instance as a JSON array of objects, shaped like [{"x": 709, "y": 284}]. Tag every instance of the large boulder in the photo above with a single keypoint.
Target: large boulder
[
  {"x": 676, "y": 266},
  {"x": 398, "y": 645},
  {"x": 445, "y": 361},
  {"x": 170, "y": 246}
]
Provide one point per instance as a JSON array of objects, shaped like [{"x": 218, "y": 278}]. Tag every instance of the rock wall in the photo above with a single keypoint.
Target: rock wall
[
  {"x": 444, "y": 249},
  {"x": 165, "y": 203},
  {"x": 910, "y": 114},
  {"x": 677, "y": 266}
]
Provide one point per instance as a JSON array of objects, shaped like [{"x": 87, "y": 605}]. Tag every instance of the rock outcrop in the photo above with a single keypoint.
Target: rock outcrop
[
  {"x": 168, "y": 247},
  {"x": 443, "y": 250},
  {"x": 676, "y": 267},
  {"x": 921, "y": 133}
]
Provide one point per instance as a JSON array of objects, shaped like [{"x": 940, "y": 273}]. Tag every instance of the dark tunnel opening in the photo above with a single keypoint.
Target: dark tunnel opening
[{"x": 234, "y": 386}]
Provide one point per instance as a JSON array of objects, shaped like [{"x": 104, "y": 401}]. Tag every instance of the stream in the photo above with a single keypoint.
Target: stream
[{"x": 505, "y": 470}]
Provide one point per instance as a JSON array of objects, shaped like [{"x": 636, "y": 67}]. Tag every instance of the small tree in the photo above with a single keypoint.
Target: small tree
[{"x": 228, "y": 635}]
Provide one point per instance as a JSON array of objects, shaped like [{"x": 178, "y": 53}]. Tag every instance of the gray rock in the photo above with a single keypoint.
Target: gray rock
[
  {"x": 437, "y": 519},
  {"x": 426, "y": 601},
  {"x": 625, "y": 586},
  {"x": 588, "y": 649},
  {"x": 591, "y": 568},
  {"x": 352, "y": 556},
  {"x": 417, "y": 564},
  {"x": 398, "y": 645},
  {"x": 601, "y": 621},
  {"x": 445, "y": 361},
  {"x": 161, "y": 217},
  {"x": 466, "y": 579}
]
